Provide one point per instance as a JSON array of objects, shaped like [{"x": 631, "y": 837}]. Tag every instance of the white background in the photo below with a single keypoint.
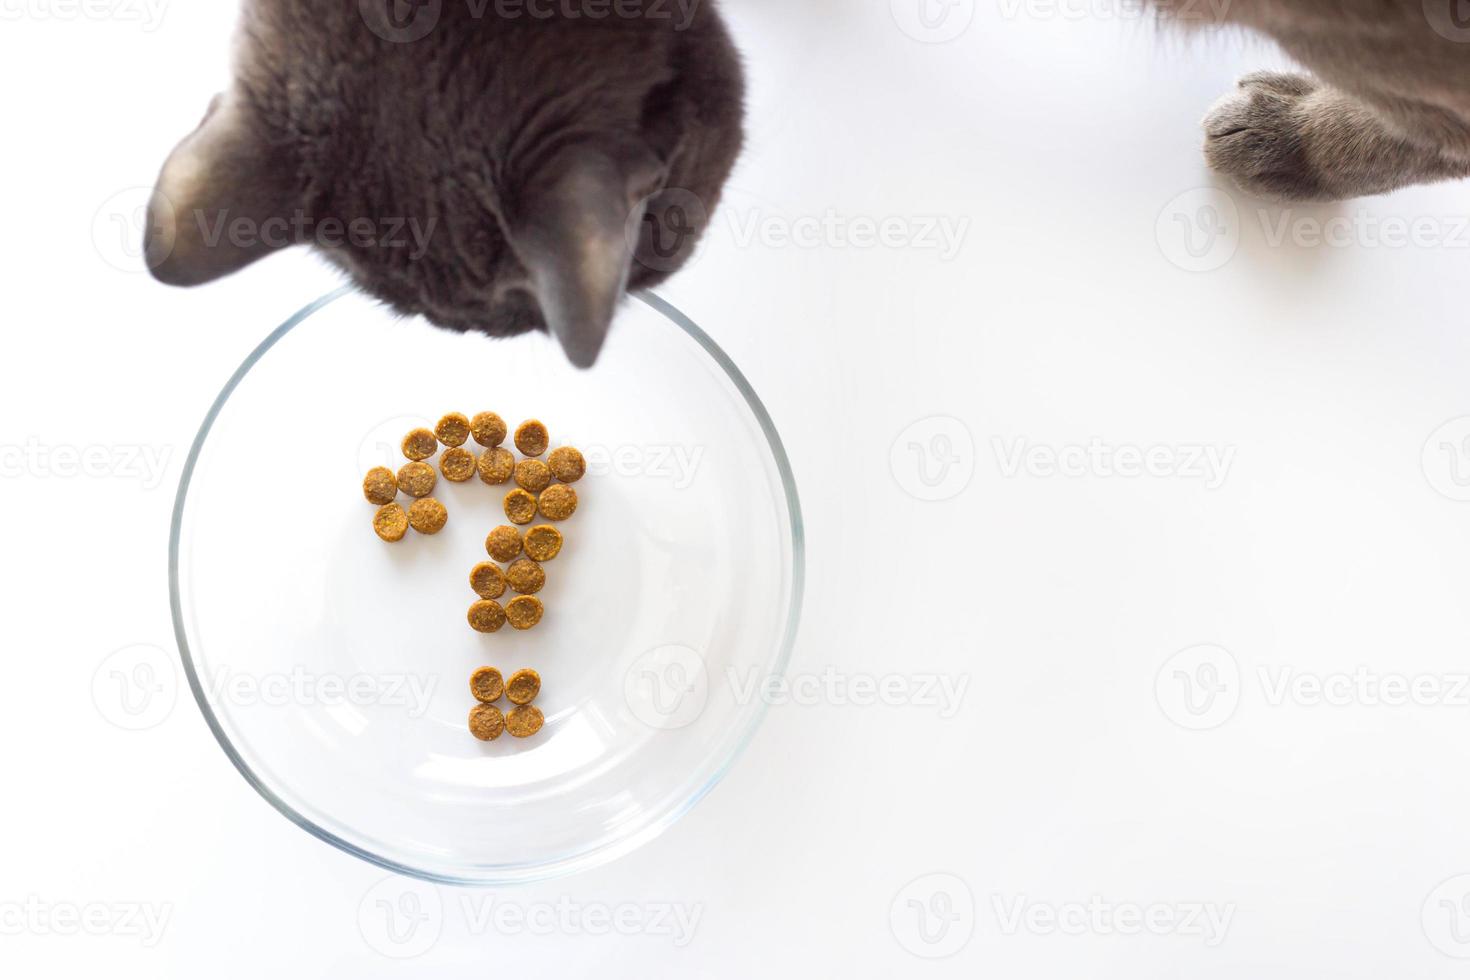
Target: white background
[{"x": 1078, "y": 767}]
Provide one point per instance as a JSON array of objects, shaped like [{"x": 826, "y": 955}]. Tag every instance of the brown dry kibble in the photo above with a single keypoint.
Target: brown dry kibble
[
  {"x": 453, "y": 429},
  {"x": 503, "y": 543},
  {"x": 390, "y": 522},
  {"x": 488, "y": 429},
  {"x": 417, "y": 479},
  {"x": 457, "y": 465},
  {"x": 558, "y": 502},
  {"x": 487, "y": 685},
  {"x": 427, "y": 516},
  {"x": 523, "y": 686},
  {"x": 496, "y": 465},
  {"x": 486, "y": 722},
  {"x": 543, "y": 542},
  {"x": 487, "y": 616},
  {"x": 524, "y": 720},
  {"x": 567, "y": 464},
  {"x": 525, "y": 576},
  {"x": 532, "y": 438},
  {"x": 420, "y": 444},
  {"x": 523, "y": 612},
  {"x": 532, "y": 475},
  {"x": 380, "y": 486},
  {"x": 487, "y": 580},
  {"x": 520, "y": 507}
]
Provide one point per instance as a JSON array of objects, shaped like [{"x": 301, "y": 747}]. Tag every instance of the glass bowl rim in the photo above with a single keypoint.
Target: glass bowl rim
[{"x": 530, "y": 871}]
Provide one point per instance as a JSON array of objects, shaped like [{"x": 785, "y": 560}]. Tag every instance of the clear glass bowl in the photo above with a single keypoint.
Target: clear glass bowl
[{"x": 333, "y": 667}]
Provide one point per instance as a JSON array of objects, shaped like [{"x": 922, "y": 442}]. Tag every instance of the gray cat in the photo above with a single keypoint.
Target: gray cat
[
  {"x": 535, "y": 149},
  {"x": 540, "y": 151},
  {"x": 1388, "y": 103}
]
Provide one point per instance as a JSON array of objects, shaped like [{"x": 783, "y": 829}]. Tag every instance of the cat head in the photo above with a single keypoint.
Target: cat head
[{"x": 501, "y": 171}]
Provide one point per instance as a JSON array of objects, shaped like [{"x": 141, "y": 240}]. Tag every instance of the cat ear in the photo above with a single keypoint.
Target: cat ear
[
  {"x": 222, "y": 201},
  {"x": 574, "y": 230}
]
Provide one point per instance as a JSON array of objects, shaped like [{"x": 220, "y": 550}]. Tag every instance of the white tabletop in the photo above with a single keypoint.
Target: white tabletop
[{"x": 1135, "y": 636}]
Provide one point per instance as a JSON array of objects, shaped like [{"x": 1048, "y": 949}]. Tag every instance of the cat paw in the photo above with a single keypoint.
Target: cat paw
[{"x": 1253, "y": 136}]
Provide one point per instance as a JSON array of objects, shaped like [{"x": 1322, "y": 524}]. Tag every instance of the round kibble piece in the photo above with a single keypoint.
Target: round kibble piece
[
  {"x": 420, "y": 444},
  {"x": 520, "y": 507},
  {"x": 533, "y": 475},
  {"x": 531, "y": 437},
  {"x": 486, "y": 616},
  {"x": 567, "y": 464},
  {"x": 488, "y": 429},
  {"x": 524, "y": 611},
  {"x": 487, "y": 685},
  {"x": 380, "y": 486},
  {"x": 504, "y": 543},
  {"x": 417, "y": 479},
  {"x": 486, "y": 722},
  {"x": 523, "y": 686},
  {"x": 543, "y": 542},
  {"x": 496, "y": 465},
  {"x": 390, "y": 522},
  {"x": 558, "y": 502},
  {"x": 525, "y": 576},
  {"x": 453, "y": 429},
  {"x": 487, "y": 580},
  {"x": 457, "y": 465},
  {"x": 427, "y": 516},
  {"x": 524, "y": 720}
]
